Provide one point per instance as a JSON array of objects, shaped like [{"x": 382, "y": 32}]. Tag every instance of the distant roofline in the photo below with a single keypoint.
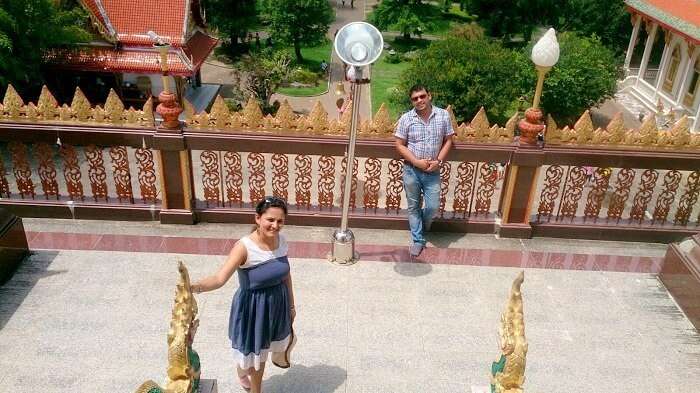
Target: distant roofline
[{"x": 672, "y": 22}]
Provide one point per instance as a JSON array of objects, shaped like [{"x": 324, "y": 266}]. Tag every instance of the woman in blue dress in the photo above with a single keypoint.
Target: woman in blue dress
[{"x": 262, "y": 310}]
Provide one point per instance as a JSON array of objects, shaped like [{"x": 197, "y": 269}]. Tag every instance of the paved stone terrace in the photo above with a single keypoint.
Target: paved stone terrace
[{"x": 95, "y": 320}]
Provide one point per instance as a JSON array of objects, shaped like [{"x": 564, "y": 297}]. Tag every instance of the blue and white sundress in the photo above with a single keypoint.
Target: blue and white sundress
[{"x": 260, "y": 320}]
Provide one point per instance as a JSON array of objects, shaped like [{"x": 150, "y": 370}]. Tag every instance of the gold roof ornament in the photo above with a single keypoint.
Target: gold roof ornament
[
  {"x": 508, "y": 372},
  {"x": 252, "y": 114},
  {"x": 648, "y": 136},
  {"x": 12, "y": 103},
  {"x": 317, "y": 120},
  {"x": 380, "y": 126},
  {"x": 285, "y": 118},
  {"x": 251, "y": 119},
  {"x": 47, "y": 105},
  {"x": 80, "y": 106},
  {"x": 47, "y": 110},
  {"x": 183, "y": 361}
]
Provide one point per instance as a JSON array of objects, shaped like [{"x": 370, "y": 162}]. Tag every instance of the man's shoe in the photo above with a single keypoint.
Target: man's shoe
[{"x": 415, "y": 249}]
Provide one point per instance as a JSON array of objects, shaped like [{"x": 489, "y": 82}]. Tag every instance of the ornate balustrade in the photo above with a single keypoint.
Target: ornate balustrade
[{"x": 113, "y": 163}]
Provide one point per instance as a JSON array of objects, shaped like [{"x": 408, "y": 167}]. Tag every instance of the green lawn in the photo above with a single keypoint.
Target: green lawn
[
  {"x": 313, "y": 56},
  {"x": 312, "y": 62},
  {"x": 385, "y": 76},
  {"x": 304, "y": 91}
]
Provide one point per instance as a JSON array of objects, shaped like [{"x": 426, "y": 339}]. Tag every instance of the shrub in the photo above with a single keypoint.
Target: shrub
[
  {"x": 468, "y": 75},
  {"x": 585, "y": 75},
  {"x": 303, "y": 76},
  {"x": 393, "y": 57},
  {"x": 411, "y": 55}
]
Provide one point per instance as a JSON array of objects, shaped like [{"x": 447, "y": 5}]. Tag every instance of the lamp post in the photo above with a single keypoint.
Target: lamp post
[
  {"x": 545, "y": 55},
  {"x": 357, "y": 44},
  {"x": 168, "y": 107}
]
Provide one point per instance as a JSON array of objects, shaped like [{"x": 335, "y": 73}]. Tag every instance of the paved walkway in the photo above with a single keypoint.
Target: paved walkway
[
  {"x": 90, "y": 320},
  {"x": 343, "y": 16}
]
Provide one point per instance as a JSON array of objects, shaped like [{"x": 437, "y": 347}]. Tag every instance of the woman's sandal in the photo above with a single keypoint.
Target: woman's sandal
[{"x": 245, "y": 383}]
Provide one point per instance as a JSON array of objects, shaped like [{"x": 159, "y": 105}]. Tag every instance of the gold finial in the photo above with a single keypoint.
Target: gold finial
[
  {"x": 285, "y": 118},
  {"x": 114, "y": 108},
  {"x": 480, "y": 124},
  {"x": 508, "y": 372},
  {"x": 13, "y": 103},
  {"x": 220, "y": 113},
  {"x": 47, "y": 104},
  {"x": 317, "y": 120},
  {"x": 584, "y": 128}
]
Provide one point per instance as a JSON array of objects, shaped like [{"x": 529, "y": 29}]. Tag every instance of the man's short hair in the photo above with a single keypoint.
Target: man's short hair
[{"x": 417, "y": 87}]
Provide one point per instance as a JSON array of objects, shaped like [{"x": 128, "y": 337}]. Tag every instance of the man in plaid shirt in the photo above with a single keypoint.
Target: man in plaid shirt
[{"x": 423, "y": 138}]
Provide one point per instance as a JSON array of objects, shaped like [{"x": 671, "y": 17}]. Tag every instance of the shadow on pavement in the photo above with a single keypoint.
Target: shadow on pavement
[
  {"x": 302, "y": 379},
  {"x": 30, "y": 271},
  {"x": 416, "y": 269},
  {"x": 444, "y": 239}
]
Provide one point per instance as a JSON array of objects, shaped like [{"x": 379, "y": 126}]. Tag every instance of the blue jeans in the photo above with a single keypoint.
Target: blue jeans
[{"x": 417, "y": 182}]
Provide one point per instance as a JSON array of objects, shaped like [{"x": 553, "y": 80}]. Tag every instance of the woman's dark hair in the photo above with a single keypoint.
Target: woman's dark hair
[{"x": 268, "y": 202}]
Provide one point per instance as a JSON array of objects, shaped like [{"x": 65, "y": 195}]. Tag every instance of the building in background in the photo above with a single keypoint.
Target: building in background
[
  {"x": 662, "y": 65},
  {"x": 121, "y": 55}
]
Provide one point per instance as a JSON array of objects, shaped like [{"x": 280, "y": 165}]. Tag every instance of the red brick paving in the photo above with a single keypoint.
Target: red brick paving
[{"x": 368, "y": 252}]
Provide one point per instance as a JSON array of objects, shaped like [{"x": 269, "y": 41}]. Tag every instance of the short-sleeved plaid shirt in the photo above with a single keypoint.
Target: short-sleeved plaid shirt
[{"x": 424, "y": 140}]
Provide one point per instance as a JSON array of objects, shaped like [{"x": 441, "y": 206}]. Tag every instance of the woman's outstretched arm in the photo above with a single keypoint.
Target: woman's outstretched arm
[{"x": 236, "y": 257}]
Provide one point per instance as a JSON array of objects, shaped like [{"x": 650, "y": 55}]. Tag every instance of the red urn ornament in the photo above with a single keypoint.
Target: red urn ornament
[
  {"x": 169, "y": 110},
  {"x": 530, "y": 126}
]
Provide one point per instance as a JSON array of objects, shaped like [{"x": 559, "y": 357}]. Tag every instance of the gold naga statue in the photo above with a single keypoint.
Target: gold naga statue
[
  {"x": 183, "y": 361},
  {"x": 508, "y": 373}
]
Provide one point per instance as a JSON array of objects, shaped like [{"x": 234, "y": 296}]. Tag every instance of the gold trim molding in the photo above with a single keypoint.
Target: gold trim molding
[
  {"x": 220, "y": 119},
  {"x": 47, "y": 110},
  {"x": 648, "y": 136}
]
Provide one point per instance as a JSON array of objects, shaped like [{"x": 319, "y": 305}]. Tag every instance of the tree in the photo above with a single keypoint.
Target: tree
[
  {"x": 585, "y": 75},
  {"x": 607, "y": 19},
  {"x": 264, "y": 73},
  {"x": 468, "y": 74},
  {"x": 507, "y": 18},
  {"x": 233, "y": 19},
  {"x": 405, "y": 16},
  {"x": 301, "y": 22},
  {"x": 27, "y": 29}
]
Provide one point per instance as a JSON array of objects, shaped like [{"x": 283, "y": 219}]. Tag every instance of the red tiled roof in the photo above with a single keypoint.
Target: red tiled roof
[
  {"x": 198, "y": 48},
  {"x": 688, "y": 10},
  {"x": 139, "y": 60},
  {"x": 680, "y": 16},
  {"x": 131, "y": 19}
]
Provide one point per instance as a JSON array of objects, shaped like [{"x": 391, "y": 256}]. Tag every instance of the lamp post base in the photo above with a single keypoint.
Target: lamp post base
[{"x": 343, "y": 251}]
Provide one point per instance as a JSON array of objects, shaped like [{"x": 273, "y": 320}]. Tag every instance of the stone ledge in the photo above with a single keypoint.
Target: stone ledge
[
  {"x": 13, "y": 244},
  {"x": 681, "y": 276}
]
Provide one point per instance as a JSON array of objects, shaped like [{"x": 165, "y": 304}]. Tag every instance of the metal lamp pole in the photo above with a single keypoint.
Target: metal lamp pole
[
  {"x": 357, "y": 44},
  {"x": 343, "y": 238}
]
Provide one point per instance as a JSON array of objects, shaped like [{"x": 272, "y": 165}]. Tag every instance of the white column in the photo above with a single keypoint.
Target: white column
[
  {"x": 633, "y": 41},
  {"x": 647, "y": 51},
  {"x": 696, "y": 122},
  {"x": 687, "y": 68},
  {"x": 663, "y": 66}
]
